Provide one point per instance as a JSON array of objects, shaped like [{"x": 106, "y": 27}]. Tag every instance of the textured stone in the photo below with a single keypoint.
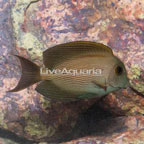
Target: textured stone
[{"x": 28, "y": 27}]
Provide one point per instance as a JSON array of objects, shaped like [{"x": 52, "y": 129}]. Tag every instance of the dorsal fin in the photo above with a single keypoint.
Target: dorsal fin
[{"x": 62, "y": 52}]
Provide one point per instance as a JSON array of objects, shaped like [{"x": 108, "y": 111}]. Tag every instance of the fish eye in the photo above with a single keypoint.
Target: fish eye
[{"x": 118, "y": 70}]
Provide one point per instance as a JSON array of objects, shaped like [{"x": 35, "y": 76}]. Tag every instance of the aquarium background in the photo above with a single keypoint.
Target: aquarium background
[{"x": 28, "y": 27}]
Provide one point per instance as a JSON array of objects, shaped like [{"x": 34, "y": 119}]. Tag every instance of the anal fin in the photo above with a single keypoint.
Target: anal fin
[{"x": 50, "y": 90}]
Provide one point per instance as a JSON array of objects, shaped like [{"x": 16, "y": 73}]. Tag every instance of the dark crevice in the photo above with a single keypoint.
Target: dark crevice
[
  {"x": 31, "y": 3},
  {"x": 96, "y": 121},
  {"x": 13, "y": 137},
  {"x": 137, "y": 92}
]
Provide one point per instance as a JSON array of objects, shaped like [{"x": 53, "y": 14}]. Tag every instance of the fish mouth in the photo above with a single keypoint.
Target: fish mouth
[{"x": 127, "y": 84}]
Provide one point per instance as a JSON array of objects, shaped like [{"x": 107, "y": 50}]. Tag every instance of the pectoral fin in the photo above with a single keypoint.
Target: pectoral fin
[{"x": 99, "y": 85}]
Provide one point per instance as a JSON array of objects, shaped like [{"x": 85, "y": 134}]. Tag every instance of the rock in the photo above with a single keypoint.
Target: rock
[
  {"x": 130, "y": 132},
  {"x": 33, "y": 26},
  {"x": 114, "y": 23}
]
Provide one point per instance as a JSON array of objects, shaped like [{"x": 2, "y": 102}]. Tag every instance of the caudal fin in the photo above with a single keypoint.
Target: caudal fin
[{"x": 30, "y": 74}]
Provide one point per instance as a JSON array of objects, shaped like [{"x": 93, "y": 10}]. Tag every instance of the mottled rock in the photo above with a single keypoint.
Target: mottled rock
[{"x": 29, "y": 27}]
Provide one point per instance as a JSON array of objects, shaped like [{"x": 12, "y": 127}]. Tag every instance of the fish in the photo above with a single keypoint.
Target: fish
[{"x": 73, "y": 71}]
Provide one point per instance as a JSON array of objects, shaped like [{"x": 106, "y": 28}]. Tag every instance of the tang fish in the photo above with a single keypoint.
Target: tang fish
[{"x": 75, "y": 70}]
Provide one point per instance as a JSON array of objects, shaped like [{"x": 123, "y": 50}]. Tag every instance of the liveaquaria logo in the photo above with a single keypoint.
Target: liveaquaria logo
[{"x": 73, "y": 72}]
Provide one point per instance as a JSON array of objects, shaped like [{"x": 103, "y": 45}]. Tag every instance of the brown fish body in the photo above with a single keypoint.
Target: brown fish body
[
  {"x": 80, "y": 83},
  {"x": 82, "y": 60}
]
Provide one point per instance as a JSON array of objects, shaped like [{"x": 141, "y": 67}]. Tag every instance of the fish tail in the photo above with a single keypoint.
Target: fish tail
[{"x": 30, "y": 74}]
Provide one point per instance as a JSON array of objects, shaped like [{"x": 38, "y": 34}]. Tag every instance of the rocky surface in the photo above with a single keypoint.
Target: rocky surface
[
  {"x": 124, "y": 130},
  {"x": 28, "y": 27}
]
